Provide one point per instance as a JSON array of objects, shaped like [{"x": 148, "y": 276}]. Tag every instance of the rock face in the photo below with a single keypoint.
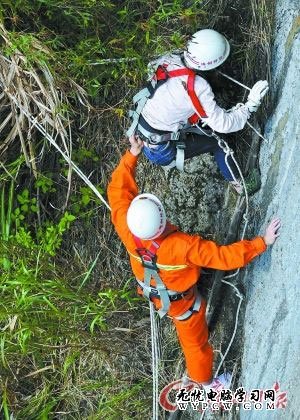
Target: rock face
[
  {"x": 272, "y": 319},
  {"x": 192, "y": 198}
]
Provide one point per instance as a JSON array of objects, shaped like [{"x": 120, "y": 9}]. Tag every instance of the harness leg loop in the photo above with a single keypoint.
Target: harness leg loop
[{"x": 180, "y": 146}]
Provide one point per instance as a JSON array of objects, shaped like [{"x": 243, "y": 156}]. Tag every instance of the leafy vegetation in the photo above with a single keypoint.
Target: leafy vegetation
[
  {"x": 66, "y": 347},
  {"x": 44, "y": 308},
  {"x": 79, "y": 33}
]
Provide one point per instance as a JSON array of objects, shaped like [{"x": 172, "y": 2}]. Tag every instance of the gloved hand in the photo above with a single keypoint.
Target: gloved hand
[{"x": 256, "y": 94}]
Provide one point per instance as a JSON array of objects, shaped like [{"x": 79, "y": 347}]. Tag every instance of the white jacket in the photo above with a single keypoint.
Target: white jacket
[{"x": 171, "y": 106}]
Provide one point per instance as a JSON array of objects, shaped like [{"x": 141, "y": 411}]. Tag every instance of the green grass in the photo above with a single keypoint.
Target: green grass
[
  {"x": 61, "y": 355},
  {"x": 50, "y": 322},
  {"x": 109, "y": 30}
]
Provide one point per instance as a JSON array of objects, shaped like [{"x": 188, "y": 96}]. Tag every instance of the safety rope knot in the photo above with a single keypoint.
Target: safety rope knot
[
  {"x": 223, "y": 144},
  {"x": 245, "y": 218}
]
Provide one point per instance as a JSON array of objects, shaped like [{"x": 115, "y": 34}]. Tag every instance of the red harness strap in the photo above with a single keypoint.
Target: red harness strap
[
  {"x": 163, "y": 74},
  {"x": 149, "y": 255},
  {"x": 160, "y": 291}
]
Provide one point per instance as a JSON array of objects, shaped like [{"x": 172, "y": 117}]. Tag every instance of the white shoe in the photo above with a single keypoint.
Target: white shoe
[
  {"x": 237, "y": 185},
  {"x": 219, "y": 383},
  {"x": 252, "y": 183}
]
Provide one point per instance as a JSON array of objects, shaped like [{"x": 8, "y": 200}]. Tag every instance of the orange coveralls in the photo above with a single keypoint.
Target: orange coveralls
[{"x": 179, "y": 258}]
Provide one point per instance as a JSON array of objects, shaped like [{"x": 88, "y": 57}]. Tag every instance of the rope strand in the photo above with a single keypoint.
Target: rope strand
[
  {"x": 155, "y": 362},
  {"x": 229, "y": 152}
]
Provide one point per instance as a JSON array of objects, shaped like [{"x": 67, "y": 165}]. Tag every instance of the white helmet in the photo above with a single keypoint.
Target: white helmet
[
  {"x": 206, "y": 50},
  {"x": 146, "y": 217}
]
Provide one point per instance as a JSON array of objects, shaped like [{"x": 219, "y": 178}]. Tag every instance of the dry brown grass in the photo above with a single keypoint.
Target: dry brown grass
[{"x": 32, "y": 96}]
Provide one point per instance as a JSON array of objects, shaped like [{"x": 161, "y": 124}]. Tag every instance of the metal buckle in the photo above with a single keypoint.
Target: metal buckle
[
  {"x": 154, "y": 293},
  {"x": 149, "y": 264},
  {"x": 175, "y": 298},
  {"x": 180, "y": 145},
  {"x": 154, "y": 139},
  {"x": 175, "y": 136}
]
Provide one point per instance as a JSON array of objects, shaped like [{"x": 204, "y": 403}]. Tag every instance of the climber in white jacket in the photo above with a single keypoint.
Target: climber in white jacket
[
  {"x": 182, "y": 98},
  {"x": 171, "y": 106}
]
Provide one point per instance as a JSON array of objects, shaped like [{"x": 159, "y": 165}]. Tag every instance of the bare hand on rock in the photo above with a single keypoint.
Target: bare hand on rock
[{"x": 271, "y": 232}]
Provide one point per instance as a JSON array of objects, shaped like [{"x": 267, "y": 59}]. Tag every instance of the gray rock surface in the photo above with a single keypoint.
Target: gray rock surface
[
  {"x": 192, "y": 198},
  {"x": 272, "y": 319}
]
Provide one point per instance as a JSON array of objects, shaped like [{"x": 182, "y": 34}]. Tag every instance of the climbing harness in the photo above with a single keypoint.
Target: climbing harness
[
  {"x": 160, "y": 76},
  {"x": 160, "y": 291},
  {"x": 148, "y": 259},
  {"x": 155, "y": 137}
]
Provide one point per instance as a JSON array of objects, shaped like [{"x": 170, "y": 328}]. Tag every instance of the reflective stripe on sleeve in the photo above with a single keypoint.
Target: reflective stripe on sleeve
[{"x": 162, "y": 266}]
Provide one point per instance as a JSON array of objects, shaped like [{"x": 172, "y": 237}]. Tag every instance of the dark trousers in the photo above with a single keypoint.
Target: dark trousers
[{"x": 196, "y": 144}]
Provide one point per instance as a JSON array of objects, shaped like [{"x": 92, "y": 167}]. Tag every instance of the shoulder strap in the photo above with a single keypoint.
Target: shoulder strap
[
  {"x": 151, "y": 271},
  {"x": 163, "y": 74},
  {"x": 155, "y": 244},
  {"x": 194, "y": 98},
  {"x": 142, "y": 251}
]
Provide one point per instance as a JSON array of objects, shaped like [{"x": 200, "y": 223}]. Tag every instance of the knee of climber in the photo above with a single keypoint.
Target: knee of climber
[
  {"x": 193, "y": 338},
  {"x": 228, "y": 169}
]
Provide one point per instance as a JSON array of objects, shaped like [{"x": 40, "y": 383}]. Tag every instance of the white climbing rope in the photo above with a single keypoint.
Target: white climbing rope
[
  {"x": 155, "y": 361},
  {"x": 257, "y": 132},
  {"x": 113, "y": 60},
  {"x": 239, "y": 295},
  {"x": 229, "y": 153}
]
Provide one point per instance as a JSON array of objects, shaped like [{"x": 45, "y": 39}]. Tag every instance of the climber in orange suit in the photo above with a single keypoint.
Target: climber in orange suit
[{"x": 167, "y": 262}]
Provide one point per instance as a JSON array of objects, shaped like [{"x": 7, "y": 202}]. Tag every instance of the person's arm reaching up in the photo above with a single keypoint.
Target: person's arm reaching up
[{"x": 122, "y": 188}]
